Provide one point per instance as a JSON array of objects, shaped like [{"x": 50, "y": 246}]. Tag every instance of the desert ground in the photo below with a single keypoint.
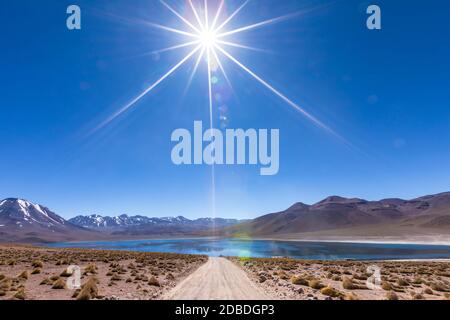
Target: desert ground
[
  {"x": 289, "y": 279},
  {"x": 41, "y": 274}
]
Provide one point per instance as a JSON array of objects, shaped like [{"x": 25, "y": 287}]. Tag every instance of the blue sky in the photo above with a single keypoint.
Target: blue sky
[{"x": 387, "y": 92}]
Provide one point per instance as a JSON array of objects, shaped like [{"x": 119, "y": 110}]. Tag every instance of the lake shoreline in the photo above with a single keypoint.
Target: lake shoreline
[
  {"x": 273, "y": 248},
  {"x": 353, "y": 240}
]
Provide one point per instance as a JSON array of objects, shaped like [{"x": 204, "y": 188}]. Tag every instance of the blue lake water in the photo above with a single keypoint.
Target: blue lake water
[{"x": 268, "y": 249}]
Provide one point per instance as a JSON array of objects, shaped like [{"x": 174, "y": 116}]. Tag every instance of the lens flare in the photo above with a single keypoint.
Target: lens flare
[{"x": 206, "y": 37}]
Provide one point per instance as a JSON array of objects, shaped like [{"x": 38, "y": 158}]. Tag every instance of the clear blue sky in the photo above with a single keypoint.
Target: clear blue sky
[{"x": 385, "y": 91}]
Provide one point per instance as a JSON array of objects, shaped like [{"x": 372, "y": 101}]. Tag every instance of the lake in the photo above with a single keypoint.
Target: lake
[{"x": 268, "y": 249}]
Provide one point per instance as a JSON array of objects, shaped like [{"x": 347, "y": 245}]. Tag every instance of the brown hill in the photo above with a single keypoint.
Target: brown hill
[{"x": 337, "y": 216}]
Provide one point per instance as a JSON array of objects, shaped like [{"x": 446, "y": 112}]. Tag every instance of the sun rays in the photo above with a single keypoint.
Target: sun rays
[{"x": 208, "y": 36}]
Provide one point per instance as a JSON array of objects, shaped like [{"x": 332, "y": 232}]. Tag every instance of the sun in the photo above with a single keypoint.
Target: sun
[
  {"x": 210, "y": 43},
  {"x": 210, "y": 39}
]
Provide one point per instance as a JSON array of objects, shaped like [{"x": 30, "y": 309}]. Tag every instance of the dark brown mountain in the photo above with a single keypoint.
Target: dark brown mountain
[{"x": 339, "y": 216}]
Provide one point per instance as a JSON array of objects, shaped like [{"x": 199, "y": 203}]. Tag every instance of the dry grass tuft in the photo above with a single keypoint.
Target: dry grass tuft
[
  {"x": 351, "y": 296},
  {"x": 154, "y": 282},
  {"x": 418, "y": 296},
  {"x": 23, "y": 275},
  {"x": 391, "y": 296},
  {"x": 315, "y": 284},
  {"x": 59, "y": 284},
  {"x": 348, "y": 284},
  {"x": 37, "y": 264},
  {"x": 300, "y": 281},
  {"x": 20, "y": 294},
  {"x": 46, "y": 281},
  {"x": 90, "y": 269},
  {"x": 65, "y": 273},
  {"x": 89, "y": 290},
  {"x": 330, "y": 292},
  {"x": 36, "y": 271}
]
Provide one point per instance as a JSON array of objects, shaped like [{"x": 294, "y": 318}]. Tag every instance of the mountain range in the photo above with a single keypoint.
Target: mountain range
[
  {"x": 331, "y": 218},
  {"x": 352, "y": 217},
  {"x": 23, "y": 221},
  {"x": 125, "y": 225}
]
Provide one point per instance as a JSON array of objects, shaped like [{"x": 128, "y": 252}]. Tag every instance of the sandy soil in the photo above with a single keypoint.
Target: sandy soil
[
  {"x": 218, "y": 279},
  {"x": 38, "y": 273},
  {"x": 320, "y": 280}
]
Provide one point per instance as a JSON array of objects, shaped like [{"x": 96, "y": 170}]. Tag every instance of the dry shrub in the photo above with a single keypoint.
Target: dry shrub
[
  {"x": 315, "y": 284},
  {"x": 37, "y": 264},
  {"x": 300, "y": 281},
  {"x": 89, "y": 290},
  {"x": 36, "y": 271},
  {"x": 154, "y": 282},
  {"x": 386, "y": 286},
  {"x": 330, "y": 292},
  {"x": 46, "y": 281},
  {"x": 116, "y": 277},
  {"x": 23, "y": 275},
  {"x": 170, "y": 277},
  {"x": 76, "y": 293},
  {"x": 418, "y": 296},
  {"x": 59, "y": 284},
  {"x": 402, "y": 283},
  {"x": 428, "y": 291},
  {"x": 20, "y": 294},
  {"x": 358, "y": 276},
  {"x": 391, "y": 296},
  {"x": 336, "y": 278},
  {"x": 65, "y": 273},
  {"x": 283, "y": 275},
  {"x": 348, "y": 284},
  {"x": 90, "y": 269},
  {"x": 351, "y": 296}
]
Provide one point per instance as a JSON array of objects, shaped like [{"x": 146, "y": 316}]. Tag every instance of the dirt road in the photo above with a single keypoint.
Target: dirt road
[{"x": 218, "y": 279}]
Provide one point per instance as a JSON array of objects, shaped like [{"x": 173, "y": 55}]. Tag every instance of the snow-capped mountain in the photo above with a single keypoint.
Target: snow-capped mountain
[
  {"x": 99, "y": 222},
  {"x": 23, "y": 213},
  {"x": 23, "y": 220},
  {"x": 27, "y": 222}
]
